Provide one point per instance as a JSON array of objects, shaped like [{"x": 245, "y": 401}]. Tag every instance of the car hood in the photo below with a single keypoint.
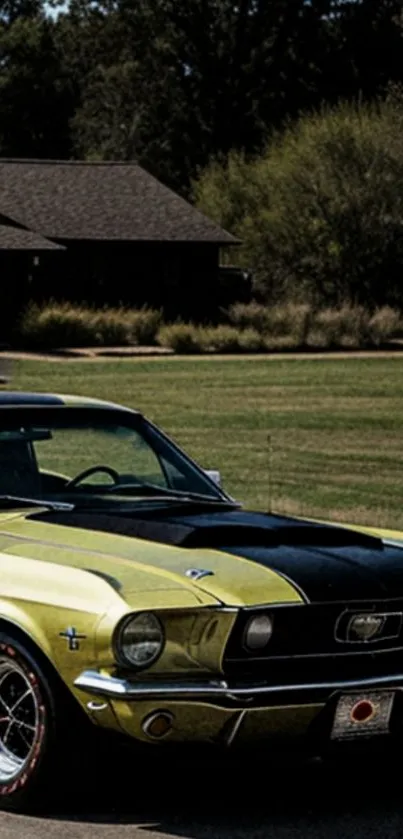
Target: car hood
[
  {"x": 141, "y": 570},
  {"x": 236, "y": 557}
]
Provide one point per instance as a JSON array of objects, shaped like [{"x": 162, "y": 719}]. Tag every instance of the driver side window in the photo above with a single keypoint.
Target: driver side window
[{"x": 71, "y": 451}]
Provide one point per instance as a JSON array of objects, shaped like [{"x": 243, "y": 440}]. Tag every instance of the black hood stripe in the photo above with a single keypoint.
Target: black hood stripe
[{"x": 324, "y": 562}]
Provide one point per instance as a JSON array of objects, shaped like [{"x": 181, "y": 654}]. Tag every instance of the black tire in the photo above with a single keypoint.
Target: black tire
[{"x": 37, "y": 720}]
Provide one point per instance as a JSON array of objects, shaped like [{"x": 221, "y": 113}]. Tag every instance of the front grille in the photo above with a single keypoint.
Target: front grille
[
  {"x": 292, "y": 671},
  {"x": 305, "y": 646}
]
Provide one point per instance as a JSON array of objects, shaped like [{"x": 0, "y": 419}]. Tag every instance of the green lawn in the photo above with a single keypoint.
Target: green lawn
[{"x": 335, "y": 426}]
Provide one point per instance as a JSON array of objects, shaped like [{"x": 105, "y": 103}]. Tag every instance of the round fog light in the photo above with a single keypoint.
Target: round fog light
[
  {"x": 258, "y": 632},
  {"x": 158, "y": 724}
]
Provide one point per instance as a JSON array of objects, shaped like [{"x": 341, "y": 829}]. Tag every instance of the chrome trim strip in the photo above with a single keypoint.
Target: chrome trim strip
[
  {"x": 235, "y": 729},
  {"x": 279, "y": 604},
  {"x": 100, "y": 684},
  {"x": 294, "y": 585}
]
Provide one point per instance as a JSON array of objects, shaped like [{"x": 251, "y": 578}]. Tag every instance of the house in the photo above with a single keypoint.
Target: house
[{"x": 104, "y": 233}]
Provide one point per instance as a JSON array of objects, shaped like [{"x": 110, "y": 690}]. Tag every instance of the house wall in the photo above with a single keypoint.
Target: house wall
[
  {"x": 182, "y": 278},
  {"x": 17, "y": 273}
]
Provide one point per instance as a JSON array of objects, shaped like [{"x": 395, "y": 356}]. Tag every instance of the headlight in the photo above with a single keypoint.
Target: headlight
[
  {"x": 140, "y": 640},
  {"x": 258, "y": 632}
]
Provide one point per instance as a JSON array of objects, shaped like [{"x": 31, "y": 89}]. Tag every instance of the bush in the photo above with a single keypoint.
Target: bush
[
  {"x": 250, "y": 340},
  {"x": 188, "y": 338},
  {"x": 181, "y": 337},
  {"x": 221, "y": 339},
  {"x": 293, "y": 326},
  {"x": 347, "y": 326},
  {"x": 109, "y": 328},
  {"x": 55, "y": 326},
  {"x": 254, "y": 328},
  {"x": 143, "y": 325},
  {"x": 291, "y": 319},
  {"x": 252, "y": 315},
  {"x": 385, "y": 324},
  {"x": 58, "y": 325},
  {"x": 320, "y": 211}
]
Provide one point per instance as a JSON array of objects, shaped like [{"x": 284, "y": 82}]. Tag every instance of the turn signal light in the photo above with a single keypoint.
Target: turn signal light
[{"x": 158, "y": 724}]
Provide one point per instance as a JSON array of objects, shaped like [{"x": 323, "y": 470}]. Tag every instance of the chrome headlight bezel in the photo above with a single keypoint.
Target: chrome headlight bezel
[
  {"x": 118, "y": 643},
  {"x": 248, "y": 629}
]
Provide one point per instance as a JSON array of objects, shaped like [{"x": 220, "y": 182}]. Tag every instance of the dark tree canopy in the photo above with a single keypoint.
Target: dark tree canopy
[{"x": 173, "y": 84}]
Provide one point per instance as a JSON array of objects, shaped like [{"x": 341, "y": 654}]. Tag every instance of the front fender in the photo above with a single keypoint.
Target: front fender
[{"x": 45, "y": 600}]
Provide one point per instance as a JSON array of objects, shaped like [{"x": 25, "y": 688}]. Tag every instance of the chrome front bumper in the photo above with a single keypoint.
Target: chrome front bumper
[{"x": 100, "y": 684}]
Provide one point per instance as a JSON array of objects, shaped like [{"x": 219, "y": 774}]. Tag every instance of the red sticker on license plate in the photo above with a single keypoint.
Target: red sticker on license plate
[{"x": 363, "y": 715}]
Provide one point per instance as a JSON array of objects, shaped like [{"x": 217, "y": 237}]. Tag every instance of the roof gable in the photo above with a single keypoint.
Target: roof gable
[
  {"x": 18, "y": 239},
  {"x": 70, "y": 200}
]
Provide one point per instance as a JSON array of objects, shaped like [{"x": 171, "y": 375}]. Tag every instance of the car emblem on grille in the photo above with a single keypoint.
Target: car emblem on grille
[{"x": 365, "y": 627}]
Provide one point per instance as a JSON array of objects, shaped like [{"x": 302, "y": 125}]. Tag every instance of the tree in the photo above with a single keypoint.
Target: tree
[
  {"x": 198, "y": 78},
  {"x": 35, "y": 94},
  {"x": 11, "y": 10},
  {"x": 321, "y": 212},
  {"x": 174, "y": 84},
  {"x": 366, "y": 50}
]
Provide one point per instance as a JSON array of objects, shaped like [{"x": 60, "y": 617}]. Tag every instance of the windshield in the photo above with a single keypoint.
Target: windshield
[{"x": 77, "y": 454}]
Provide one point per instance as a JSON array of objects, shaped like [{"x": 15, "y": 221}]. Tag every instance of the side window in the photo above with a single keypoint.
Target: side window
[
  {"x": 145, "y": 465},
  {"x": 71, "y": 451}
]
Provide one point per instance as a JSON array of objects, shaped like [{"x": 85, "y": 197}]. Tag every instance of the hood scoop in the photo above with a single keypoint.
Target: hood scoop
[
  {"x": 296, "y": 535},
  {"x": 203, "y": 532}
]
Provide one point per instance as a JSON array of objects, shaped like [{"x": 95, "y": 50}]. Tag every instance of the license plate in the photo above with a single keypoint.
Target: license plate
[{"x": 363, "y": 715}]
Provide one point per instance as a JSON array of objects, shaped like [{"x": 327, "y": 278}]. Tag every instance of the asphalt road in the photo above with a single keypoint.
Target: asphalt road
[{"x": 248, "y": 801}]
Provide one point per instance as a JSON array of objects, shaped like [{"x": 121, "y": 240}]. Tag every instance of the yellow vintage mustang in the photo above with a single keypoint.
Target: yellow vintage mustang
[{"x": 139, "y": 596}]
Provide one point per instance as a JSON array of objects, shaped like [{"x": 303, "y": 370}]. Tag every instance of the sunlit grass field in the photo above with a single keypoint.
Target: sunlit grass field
[{"x": 321, "y": 437}]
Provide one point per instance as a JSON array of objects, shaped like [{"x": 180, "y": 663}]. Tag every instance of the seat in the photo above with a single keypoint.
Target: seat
[{"x": 19, "y": 474}]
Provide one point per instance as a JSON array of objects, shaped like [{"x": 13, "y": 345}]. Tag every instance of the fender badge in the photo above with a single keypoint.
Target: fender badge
[
  {"x": 72, "y": 637},
  {"x": 198, "y": 573}
]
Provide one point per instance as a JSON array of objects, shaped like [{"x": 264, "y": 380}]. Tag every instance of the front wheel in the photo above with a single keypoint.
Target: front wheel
[{"x": 32, "y": 728}]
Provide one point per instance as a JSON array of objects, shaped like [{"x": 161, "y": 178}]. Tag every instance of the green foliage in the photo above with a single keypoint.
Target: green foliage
[
  {"x": 294, "y": 325},
  {"x": 251, "y": 341},
  {"x": 175, "y": 84},
  {"x": 254, "y": 328},
  {"x": 58, "y": 325},
  {"x": 181, "y": 337},
  {"x": 347, "y": 326},
  {"x": 55, "y": 326},
  {"x": 142, "y": 324},
  {"x": 36, "y": 90},
  {"x": 178, "y": 82},
  {"x": 276, "y": 321},
  {"x": 222, "y": 339},
  {"x": 385, "y": 324},
  {"x": 321, "y": 211},
  {"x": 187, "y": 338}
]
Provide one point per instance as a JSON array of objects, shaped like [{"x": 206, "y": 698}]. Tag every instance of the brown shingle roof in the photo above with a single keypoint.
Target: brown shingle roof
[
  {"x": 110, "y": 201},
  {"x": 18, "y": 239}
]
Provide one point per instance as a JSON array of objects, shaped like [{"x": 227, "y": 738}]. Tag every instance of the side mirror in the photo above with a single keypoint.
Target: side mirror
[{"x": 215, "y": 475}]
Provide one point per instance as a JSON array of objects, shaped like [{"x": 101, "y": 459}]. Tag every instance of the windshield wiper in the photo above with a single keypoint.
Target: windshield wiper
[
  {"x": 12, "y": 500},
  {"x": 158, "y": 492}
]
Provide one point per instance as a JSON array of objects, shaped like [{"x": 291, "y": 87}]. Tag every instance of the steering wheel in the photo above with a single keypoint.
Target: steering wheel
[{"x": 91, "y": 471}]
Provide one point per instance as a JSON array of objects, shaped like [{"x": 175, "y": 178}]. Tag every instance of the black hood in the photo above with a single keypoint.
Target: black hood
[{"x": 327, "y": 563}]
